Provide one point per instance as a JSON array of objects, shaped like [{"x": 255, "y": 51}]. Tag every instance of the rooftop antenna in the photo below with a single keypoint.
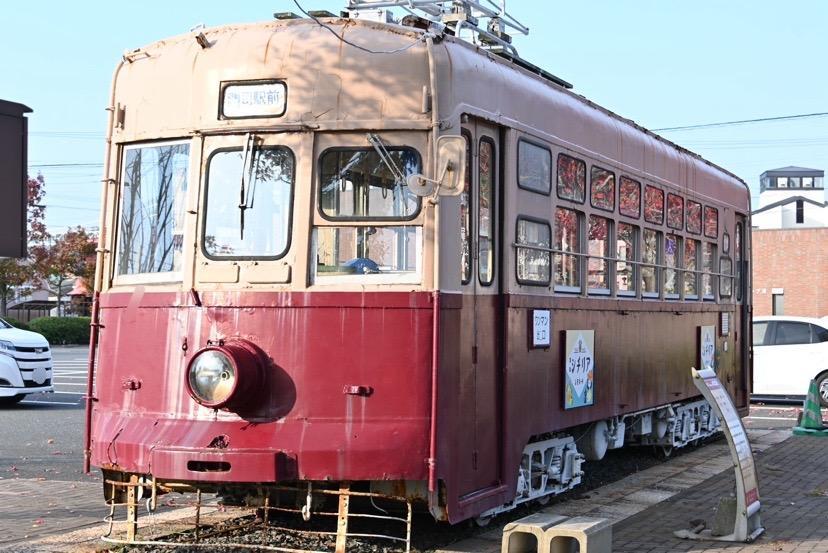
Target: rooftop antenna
[
  {"x": 482, "y": 22},
  {"x": 485, "y": 23}
]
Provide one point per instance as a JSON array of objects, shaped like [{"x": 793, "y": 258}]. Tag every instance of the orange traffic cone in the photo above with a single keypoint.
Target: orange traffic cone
[{"x": 811, "y": 422}]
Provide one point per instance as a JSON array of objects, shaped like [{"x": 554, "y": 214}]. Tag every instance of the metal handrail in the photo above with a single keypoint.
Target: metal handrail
[{"x": 637, "y": 263}]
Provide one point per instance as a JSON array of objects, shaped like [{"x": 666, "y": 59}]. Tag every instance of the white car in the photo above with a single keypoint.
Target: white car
[
  {"x": 25, "y": 364},
  {"x": 789, "y": 352}
]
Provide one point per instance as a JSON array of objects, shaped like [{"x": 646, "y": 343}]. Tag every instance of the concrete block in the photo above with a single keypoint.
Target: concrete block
[
  {"x": 528, "y": 535},
  {"x": 581, "y": 534}
]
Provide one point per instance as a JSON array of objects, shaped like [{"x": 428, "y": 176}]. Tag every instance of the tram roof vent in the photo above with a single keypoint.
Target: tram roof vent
[{"x": 484, "y": 23}]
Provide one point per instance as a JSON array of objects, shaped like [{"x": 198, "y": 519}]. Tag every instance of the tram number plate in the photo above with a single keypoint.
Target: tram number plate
[
  {"x": 579, "y": 368},
  {"x": 541, "y": 328}
]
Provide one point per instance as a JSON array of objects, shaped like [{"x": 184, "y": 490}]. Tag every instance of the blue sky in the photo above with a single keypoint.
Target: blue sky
[{"x": 660, "y": 63}]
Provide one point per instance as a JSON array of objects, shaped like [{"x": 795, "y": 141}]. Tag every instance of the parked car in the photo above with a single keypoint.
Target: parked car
[
  {"x": 25, "y": 364},
  {"x": 788, "y": 352}
]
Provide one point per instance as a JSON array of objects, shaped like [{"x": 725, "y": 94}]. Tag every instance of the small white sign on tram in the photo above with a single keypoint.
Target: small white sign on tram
[
  {"x": 707, "y": 347},
  {"x": 541, "y": 328},
  {"x": 579, "y": 369},
  {"x": 255, "y": 99}
]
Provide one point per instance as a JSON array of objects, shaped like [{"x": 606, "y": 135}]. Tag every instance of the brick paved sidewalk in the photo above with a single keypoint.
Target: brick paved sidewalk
[
  {"x": 33, "y": 508},
  {"x": 793, "y": 484}
]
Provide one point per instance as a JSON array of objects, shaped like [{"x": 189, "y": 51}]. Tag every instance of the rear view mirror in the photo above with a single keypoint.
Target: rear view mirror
[{"x": 451, "y": 170}]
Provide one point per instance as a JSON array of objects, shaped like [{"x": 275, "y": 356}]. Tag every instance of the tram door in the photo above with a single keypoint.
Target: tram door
[
  {"x": 744, "y": 303},
  {"x": 480, "y": 401}
]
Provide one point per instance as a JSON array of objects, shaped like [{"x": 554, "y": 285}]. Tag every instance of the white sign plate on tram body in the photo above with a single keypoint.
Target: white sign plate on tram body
[
  {"x": 541, "y": 328},
  {"x": 707, "y": 347},
  {"x": 242, "y": 100}
]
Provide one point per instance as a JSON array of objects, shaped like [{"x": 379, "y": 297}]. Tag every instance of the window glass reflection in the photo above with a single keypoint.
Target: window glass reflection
[
  {"x": 153, "y": 200},
  {"x": 261, "y": 227}
]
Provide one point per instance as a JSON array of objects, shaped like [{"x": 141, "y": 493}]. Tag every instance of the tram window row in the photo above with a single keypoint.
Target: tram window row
[{"x": 637, "y": 241}]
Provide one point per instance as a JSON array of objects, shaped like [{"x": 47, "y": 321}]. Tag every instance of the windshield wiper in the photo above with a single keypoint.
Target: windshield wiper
[
  {"x": 382, "y": 152},
  {"x": 246, "y": 176}
]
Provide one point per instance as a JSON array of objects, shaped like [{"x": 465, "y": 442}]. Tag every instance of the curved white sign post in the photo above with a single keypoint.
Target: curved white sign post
[{"x": 747, "y": 525}]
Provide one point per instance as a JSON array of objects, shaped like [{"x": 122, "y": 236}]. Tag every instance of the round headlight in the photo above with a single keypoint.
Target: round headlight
[{"x": 212, "y": 378}]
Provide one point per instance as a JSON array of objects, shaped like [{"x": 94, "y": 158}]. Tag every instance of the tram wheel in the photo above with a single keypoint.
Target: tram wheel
[
  {"x": 663, "y": 451},
  {"x": 482, "y": 522}
]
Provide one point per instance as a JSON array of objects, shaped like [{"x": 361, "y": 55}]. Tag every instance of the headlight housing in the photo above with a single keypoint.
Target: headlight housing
[
  {"x": 211, "y": 378},
  {"x": 7, "y": 348},
  {"x": 229, "y": 375}
]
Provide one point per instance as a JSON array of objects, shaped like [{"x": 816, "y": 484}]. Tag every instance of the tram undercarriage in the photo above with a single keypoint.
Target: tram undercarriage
[{"x": 552, "y": 465}]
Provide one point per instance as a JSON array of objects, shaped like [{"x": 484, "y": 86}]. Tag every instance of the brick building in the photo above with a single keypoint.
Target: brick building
[
  {"x": 790, "y": 244},
  {"x": 790, "y": 269}
]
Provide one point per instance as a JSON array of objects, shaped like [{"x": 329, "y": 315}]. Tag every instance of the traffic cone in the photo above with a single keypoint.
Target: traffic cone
[{"x": 811, "y": 422}]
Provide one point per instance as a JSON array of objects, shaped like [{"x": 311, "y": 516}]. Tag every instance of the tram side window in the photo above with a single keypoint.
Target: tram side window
[
  {"x": 534, "y": 167},
  {"x": 691, "y": 264},
  {"x": 466, "y": 218},
  {"x": 711, "y": 222},
  {"x": 672, "y": 276},
  {"x": 153, "y": 197},
  {"x": 625, "y": 247},
  {"x": 533, "y": 264},
  {"x": 725, "y": 281},
  {"x": 694, "y": 217},
  {"x": 602, "y": 188},
  {"x": 708, "y": 257},
  {"x": 653, "y": 205},
  {"x": 571, "y": 178},
  {"x": 598, "y": 244},
  {"x": 675, "y": 211},
  {"x": 356, "y": 183},
  {"x": 567, "y": 273},
  {"x": 486, "y": 212},
  {"x": 629, "y": 197},
  {"x": 649, "y": 260},
  {"x": 262, "y": 227}
]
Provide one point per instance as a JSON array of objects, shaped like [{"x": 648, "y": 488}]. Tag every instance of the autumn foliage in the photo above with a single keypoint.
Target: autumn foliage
[
  {"x": 16, "y": 272},
  {"x": 54, "y": 260}
]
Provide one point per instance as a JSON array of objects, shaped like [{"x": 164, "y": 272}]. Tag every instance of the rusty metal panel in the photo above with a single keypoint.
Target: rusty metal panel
[{"x": 13, "y": 174}]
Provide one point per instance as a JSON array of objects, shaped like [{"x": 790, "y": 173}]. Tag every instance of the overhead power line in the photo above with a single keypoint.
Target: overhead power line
[
  {"x": 742, "y": 122},
  {"x": 60, "y": 133},
  {"x": 66, "y": 165}
]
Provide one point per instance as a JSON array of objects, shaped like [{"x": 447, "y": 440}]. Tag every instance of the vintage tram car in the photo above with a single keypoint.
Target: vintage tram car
[{"x": 352, "y": 251}]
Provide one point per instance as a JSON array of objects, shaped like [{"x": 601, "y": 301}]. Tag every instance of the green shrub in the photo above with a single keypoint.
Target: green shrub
[
  {"x": 62, "y": 330},
  {"x": 15, "y": 323}
]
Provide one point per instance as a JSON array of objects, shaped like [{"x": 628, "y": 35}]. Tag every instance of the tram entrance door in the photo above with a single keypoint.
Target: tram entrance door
[{"x": 480, "y": 373}]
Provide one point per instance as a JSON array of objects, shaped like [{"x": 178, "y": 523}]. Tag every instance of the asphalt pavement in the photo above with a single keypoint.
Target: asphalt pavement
[{"x": 43, "y": 489}]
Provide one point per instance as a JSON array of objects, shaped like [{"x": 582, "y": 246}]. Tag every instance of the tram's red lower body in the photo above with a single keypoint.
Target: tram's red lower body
[
  {"x": 349, "y": 392},
  {"x": 348, "y": 398}
]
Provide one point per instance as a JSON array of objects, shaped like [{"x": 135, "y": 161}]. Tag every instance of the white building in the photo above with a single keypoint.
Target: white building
[{"x": 791, "y": 197}]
